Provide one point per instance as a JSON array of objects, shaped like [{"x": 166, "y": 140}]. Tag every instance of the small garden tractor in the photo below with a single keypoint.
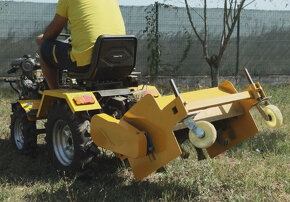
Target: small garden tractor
[{"x": 105, "y": 107}]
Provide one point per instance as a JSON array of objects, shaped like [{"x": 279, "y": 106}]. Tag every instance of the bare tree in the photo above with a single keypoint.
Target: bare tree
[{"x": 232, "y": 10}]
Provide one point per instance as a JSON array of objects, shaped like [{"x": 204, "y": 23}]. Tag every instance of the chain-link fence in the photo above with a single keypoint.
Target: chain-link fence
[{"x": 264, "y": 38}]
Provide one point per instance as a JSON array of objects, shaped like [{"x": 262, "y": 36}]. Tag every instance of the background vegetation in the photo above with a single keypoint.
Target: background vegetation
[
  {"x": 264, "y": 38},
  {"x": 256, "y": 170}
]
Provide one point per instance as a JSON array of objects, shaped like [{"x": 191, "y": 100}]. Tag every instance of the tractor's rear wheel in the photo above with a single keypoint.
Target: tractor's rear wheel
[
  {"x": 23, "y": 131},
  {"x": 68, "y": 138}
]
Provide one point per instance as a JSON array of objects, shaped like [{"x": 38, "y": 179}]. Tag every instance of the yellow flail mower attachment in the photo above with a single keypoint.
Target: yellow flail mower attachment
[{"x": 214, "y": 119}]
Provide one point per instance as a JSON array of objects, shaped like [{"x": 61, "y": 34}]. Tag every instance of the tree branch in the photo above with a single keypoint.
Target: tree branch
[
  {"x": 233, "y": 24},
  {"x": 197, "y": 13},
  {"x": 224, "y": 23},
  {"x": 230, "y": 12},
  {"x": 249, "y": 4},
  {"x": 227, "y": 14},
  {"x": 235, "y": 8},
  {"x": 191, "y": 22}
]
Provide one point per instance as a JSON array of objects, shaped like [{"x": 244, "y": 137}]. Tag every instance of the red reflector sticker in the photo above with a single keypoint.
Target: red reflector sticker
[
  {"x": 89, "y": 99},
  {"x": 84, "y": 100}
]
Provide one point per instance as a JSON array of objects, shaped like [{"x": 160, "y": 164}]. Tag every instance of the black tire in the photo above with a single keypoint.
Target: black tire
[
  {"x": 23, "y": 131},
  {"x": 68, "y": 138}
]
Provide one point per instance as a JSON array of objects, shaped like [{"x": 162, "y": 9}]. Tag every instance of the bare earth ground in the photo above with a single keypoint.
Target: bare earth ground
[{"x": 256, "y": 170}]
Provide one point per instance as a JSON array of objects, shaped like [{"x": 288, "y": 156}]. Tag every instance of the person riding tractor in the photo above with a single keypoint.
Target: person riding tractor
[{"x": 87, "y": 21}]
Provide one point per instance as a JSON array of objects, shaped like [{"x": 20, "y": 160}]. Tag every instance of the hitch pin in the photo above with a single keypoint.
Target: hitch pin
[
  {"x": 174, "y": 88},
  {"x": 193, "y": 127}
]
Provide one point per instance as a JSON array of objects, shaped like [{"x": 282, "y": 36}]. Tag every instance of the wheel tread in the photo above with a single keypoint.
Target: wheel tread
[{"x": 82, "y": 141}]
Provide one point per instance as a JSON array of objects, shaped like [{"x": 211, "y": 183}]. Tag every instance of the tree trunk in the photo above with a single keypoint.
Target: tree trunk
[
  {"x": 214, "y": 75},
  {"x": 214, "y": 62}
]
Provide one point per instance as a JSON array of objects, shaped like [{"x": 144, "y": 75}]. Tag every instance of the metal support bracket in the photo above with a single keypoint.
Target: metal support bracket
[
  {"x": 193, "y": 127},
  {"x": 262, "y": 112},
  {"x": 265, "y": 102}
]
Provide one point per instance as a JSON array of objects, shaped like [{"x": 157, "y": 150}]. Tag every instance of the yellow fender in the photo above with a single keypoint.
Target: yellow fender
[
  {"x": 70, "y": 96},
  {"x": 30, "y": 106}
]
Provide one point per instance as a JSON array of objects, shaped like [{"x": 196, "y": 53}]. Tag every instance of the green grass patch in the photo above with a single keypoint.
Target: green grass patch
[{"x": 256, "y": 170}]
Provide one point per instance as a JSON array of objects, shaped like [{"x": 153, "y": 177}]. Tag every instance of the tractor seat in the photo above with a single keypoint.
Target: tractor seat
[{"x": 113, "y": 58}]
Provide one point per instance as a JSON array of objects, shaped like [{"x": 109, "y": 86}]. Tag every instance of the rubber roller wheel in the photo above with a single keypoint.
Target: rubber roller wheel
[
  {"x": 275, "y": 115},
  {"x": 209, "y": 138}
]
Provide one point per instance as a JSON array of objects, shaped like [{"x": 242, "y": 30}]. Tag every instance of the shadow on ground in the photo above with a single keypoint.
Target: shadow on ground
[{"x": 104, "y": 179}]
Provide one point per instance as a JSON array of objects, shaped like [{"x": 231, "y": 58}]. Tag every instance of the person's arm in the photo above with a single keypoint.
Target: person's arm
[{"x": 55, "y": 27}]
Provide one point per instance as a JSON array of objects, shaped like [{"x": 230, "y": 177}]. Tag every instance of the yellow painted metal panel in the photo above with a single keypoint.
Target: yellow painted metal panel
[
  {"x": 147, "y": 116},
  {"x": 29, "y": 105},
  {"x": 67, "y": 94},
  {"x": 212, "y": 102},
  {"x": 45, "y": 103},
  {"x": 198, "y": 95},
  {"x": 237, "y": 129},
  {"x": 143, "y": 90},
  {"x": 220, "y": 112},
  {"x": 118, "y": 136},
  {"x": 212, "y": 114},
  {"x": 145, "y": 87}
]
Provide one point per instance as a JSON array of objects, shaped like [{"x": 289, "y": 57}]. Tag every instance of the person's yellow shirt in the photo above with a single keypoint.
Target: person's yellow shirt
[{"x": 88, "y": 19}]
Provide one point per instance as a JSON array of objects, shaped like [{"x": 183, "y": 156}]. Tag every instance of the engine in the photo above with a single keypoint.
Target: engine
[{"x": 29, "y": 79}]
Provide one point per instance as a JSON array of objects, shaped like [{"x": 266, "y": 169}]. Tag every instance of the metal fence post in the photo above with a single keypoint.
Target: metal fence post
[
  {"x": 238, "y": 48},
  {"x": 157, "y": 37}
]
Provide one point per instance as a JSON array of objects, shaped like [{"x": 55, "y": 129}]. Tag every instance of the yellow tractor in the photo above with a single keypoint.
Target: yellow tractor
[{"x": 105, "y": 107}]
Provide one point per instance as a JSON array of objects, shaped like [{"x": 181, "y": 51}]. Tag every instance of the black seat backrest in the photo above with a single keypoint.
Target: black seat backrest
[{"x": 113, "y": 58}]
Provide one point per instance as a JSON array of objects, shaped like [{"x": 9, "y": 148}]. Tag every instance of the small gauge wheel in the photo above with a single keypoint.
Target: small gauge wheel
[
  {"x": 210, "y": 135},
  {"x": 275, "y": 116}
]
